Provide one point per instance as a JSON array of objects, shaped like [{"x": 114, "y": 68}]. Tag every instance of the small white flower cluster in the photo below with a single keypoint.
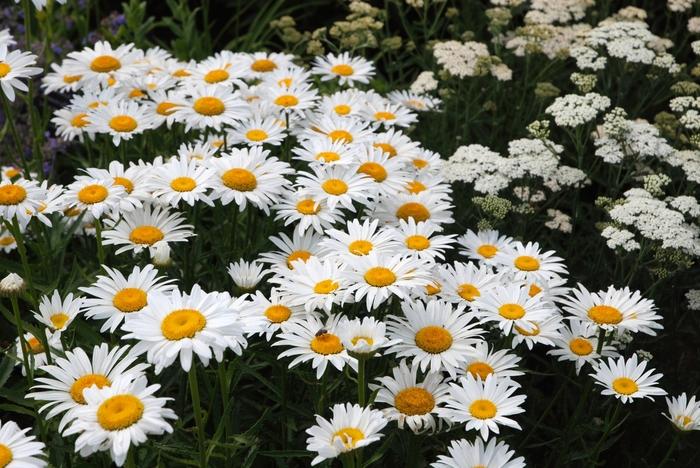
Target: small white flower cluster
[
  {"x": 687, "y": 205},
  {"x": 689, "y": 162},
  {"x": 558, "y": 221},
  {"x": 630, "y": 41},
  {"x": 425, "y": 82},
  {"x": 694, "y": 25},
  {"x": 621, "y": 238},
  {"x": 654, "y": 220},
  {"x": 573, "y": 110},
  {"x": 679, "y": 5},
  {"x": 693, "y": 297},
  {"x": 689, "y": 109},
  {"x": 620, "y": 137},
  {"x": 551, "y": 40},
  {"x": 557, "y": 11},
  {"x": 490, "y": 172},
  {"x": 462, "y": 59}
]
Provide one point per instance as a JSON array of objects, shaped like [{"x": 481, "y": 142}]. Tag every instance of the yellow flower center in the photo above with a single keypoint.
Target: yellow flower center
[
  {"x": 342, "y": 109},
  {"x": 239, "y": 179},
  {"x": 130, "y": 300},
  {"x": 105, "y": 64},
  {"x": 360, "y": 247},
  {"x": 415, "y": 186},
  {"x": 5, "y": 452},
  {"x": 420, "y": 163},
  {"x": 383, "y": 115},
  {"x": 340, "y": 135},
  {"x": 35, "y": 346},
  {"x": 68, "y": 79},
  {"x": 216, "y": 76},
  {"x": 326, "y": 343},
  {"x": 417, "y": 242},
  {"x": 308, "y": 207},
  {"x": 91, "y": 194},
  {"x": 209, "y": 106},
  {"x": 183, "y": 184},
  {"x": 12, "y": 172},
  {"x": 414, "y": 210},
  {"x": 533, "y": 331},
  {"x": 334, "y": 186},
  {"x": 366, "y": 339},
  {"x": 326, "y": 286},
  {"x": 605, "y": 315},
  {"x": 468, "y": 291},
  {"x": 256, "y": 134},
  {"x": 433, "y": 288},
  {"x": 511, "y": 311},
  {"x": 123, "y": 123},
  {"x": 349, "y": 436},
  {"x": 480, "y": 369},
  {"x": 580, "y": 346},
  {"x": 302, "y": 255},
  {"x": 414, "y": 401},
  {"x": 386, "y": 148},
  {"x": 684, "y": 420},
  {"x": 124, "y": 182},
  {"x": 181, "y": 73},
  {"x": 527, "y": 263},
  {"x": 625, "y": 386},
  {"x": 327, "y": 156},
  {"x": 119, "y": 412},
  {"x": 374, "y": 170},
  {"x": 534, "y": 290},
  {"x": 12, "y": 194},
  {"x": 342, "y": 69},
  {"x": 278, "y": 313},
  {"x": 5, "y": 69},
  {"x": 79, "y": 120},
  {"x": 136, "y": 93},
  {"x": 165, "y": 108},
  {"x": 487, "y": 250},
  {"x": 287, "y": 100},
  {"x": 87, "y": 381},
  {"x": 482, "y": 409},
  {"x": 379, "y": 277},
  {"x": 263, "y": 65},
  {"x": 6, "y": 241},
  {"x": 59, "y": 320},
  {"x": 146, "y": 235},
  {"x": 182, "y": 323},
  {"x": 285, "y": 82},
  {"x": 433, "y": 339}
]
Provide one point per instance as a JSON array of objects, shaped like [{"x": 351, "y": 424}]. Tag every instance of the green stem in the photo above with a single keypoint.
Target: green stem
[
  {"x": 601, "y": 341},
  {"x": 7, "y": 110},
  {"x": 361, "y": 381},
  {"x": 23, "y": 345},
  {"x": 22, "y": 249},
  {"x": 130, "y": 462},
  {"x": 98, "y": 240},
  {"x": 197, "y": 407},
  {"x": 608, "y": 427},
  {"x": 671, "y": 449}
]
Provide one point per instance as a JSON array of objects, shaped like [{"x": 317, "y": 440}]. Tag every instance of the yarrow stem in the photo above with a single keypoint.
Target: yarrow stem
[{"x": 197, "y": 407}]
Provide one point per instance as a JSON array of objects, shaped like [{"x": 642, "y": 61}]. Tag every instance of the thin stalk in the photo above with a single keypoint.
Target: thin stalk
[
  {"x": 601, "y": 341},
  {"x": 7, "y": 110},
  {"x": 361, "y": 381},
  {"x": 197, "y": 407},
  {"x": 98, "y": 239},
  {"x": 22, "y": 249},
  {"x": 671, "y": 449},
  {"x": 23, "y": 345}
]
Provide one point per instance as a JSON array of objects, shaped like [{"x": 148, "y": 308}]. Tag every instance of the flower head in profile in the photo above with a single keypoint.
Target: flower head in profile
[{"x": 627, "y": 379}]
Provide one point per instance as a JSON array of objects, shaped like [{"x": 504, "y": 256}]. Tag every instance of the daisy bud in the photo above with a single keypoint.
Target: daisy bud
[
  {"x": 160, "y": 254},
  {"x": 12, "y": 285}
]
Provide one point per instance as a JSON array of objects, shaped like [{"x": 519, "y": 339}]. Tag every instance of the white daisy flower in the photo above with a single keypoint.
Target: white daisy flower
[
  {"x": 257, "y": 131},
  {"x": 414, "y": 101},
  {"x": 342, "y": 103},
  {"x": 325, "y": 152},
  {"x": 246, "y": 275},
  {"x": 542, "y": 332},
  {"x": 162, "y": 106},
  {"x": 115, "y": 417},
  {"x": 19, "y": 450},
  {"x": 342, "y": 129},
  {"x": 420, "y": 207},
  {"x": 72, "y": 123},
  {"x": 410, "y": 402},
  {"x": 60, "y": 78},
  {"x": 68, "y": 376},
  {"x": 463, "y": 283},
  {"x": 8, "y": 243},
  {"x": 529, "y": 263},
  {"x": 626, "y": 379},
  {"x": 121, "y": 119},
  {"x": 286, "y": 77},
  {"x": 337, "y": 186},
  {"x": 358, "y": 239},
  {"x": 301, "y": 246},
  {"x": 436, "y": 335},
  {"x": 482, "y": 361},
  {"x": 385, "y": 171},
  {"x": 20, "y": 198},
  {"x": 201, "y": 152},
  {"x": 384, "y": 113},
  {"x": 133, "y": 179},
  {"x": 346, "y": 68},
  {"x": 277, "y": 310},
  {"x": 57, "y": 313},
  {"x": 483, "y": 405},
  {"x": 211, "y": 107},
  {"x": 180, "y": 324},
  {"x": 396, "y": 145},
  {"x": 427, "y": 162},
  {"x": 145, "y": 227},
  {"x": 579, "y": 343},
  {"x": 35, "y": 350},
  {"x": 302, "y": 209},
  {"x": 294, "y": 100},
  {"x": 259, "y": 64},
  {"x": 483, "y": 245},
  {"x": 181, "y": 179},
  {"x": 364, "y": 336},
  {"x": 684, "y": 413},
  {"x": 419, "y": 240},
  {"x": 14, "y": 67},
  {"x": 115, "y": 296},
  {"x": 223, "y": 69},
  {"x": 102, "y": 65},
  {"x": 476, "y": 454},
  {"x": 314, "y": 340},
  {"x": 511, "y": 306}
]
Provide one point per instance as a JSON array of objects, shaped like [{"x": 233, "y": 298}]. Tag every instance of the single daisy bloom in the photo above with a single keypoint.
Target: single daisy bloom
[
  {"x": 286, "y": 77},
  {"x": 34, "y": 349},
  {"x": 145, "y": 227},
  {"x": 483, "y": 405},
  {"x": 181, "y": 179},
  {"x": 511, "y": 306},
  {"x": 684, "y": 413},
  {"x": 385, "y": 171},
  {"x": 162, "y": 106},
  {"x": 14, "y": 67},
  {"x": 8, "y": 243},
  {"x": 343, "y": 129},
  {"x": 358, "y": 239},
  {"x": 626, "y": 379},
  {"x": 363, "y": 336},
  {"x": 247, "y": 275},
  {"x": 249, "y": 175},
  {"x": 294, "y": 100},
  {"x": 410, "y": 402},
  {"x": 301, "y": 246},
  {"x": 483, "y": 245},
  {"x": 614, "y": 309},
  {"x": 277, "y": 309},
  {"x": 20, "y": 198},
  {"x": 377, "y": 277},
  {"x": 426, "y": 161},
  {"x": 325, "y": 152},
  {"x": 527, "y": 262},
  {"x": 421, "y": 207},
  {"x": 62, "y": 388},
  {"x": 346, "y": 68},
  {"x": 351, "y": 427},
  {"x": 337, "y": 186},
  {"x": 121, "y": 119},
  {"x": 99, "y": 196},
  {"x": 60, "y": 78},
  {"x": 540, "y": 332},
  {"x": 396, "y": 145},
  {"x": 258, "y": 64},
  {"x": 578, "y": 343},
  {"x": 117, "y": 416},
  {"x": 306, "y": 211},
  {"x": 414, "y": 101},
  {"x": 211, "y": 106},
  {"x": 257, "y": 131},
  {"x": 463, "y": 453},
  {"x": 102, "y": 65},
  {"x": 419, "y": 240},
  {"x": 436, "y": 335},
  {"x": 19, "y": 450},
  {"x": 114, "y": 296},
  {"x": 314, "y": 283},
  {"x": 223, "y": 69},
  {"x": 342, "y": 103},
  {"x": 57, "y": 313},
  {"x": 387, "y": 114},
  {"x": 201, "y": 152},
  {"x": 133, "y": 179},
  {"x": 180, "y": 324},
  {"x": 463, "y": 283},
  {"x": 482, "y": 360},
  {"x": 72, "y": 123},
  {"x": 317, "y": 341}
]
